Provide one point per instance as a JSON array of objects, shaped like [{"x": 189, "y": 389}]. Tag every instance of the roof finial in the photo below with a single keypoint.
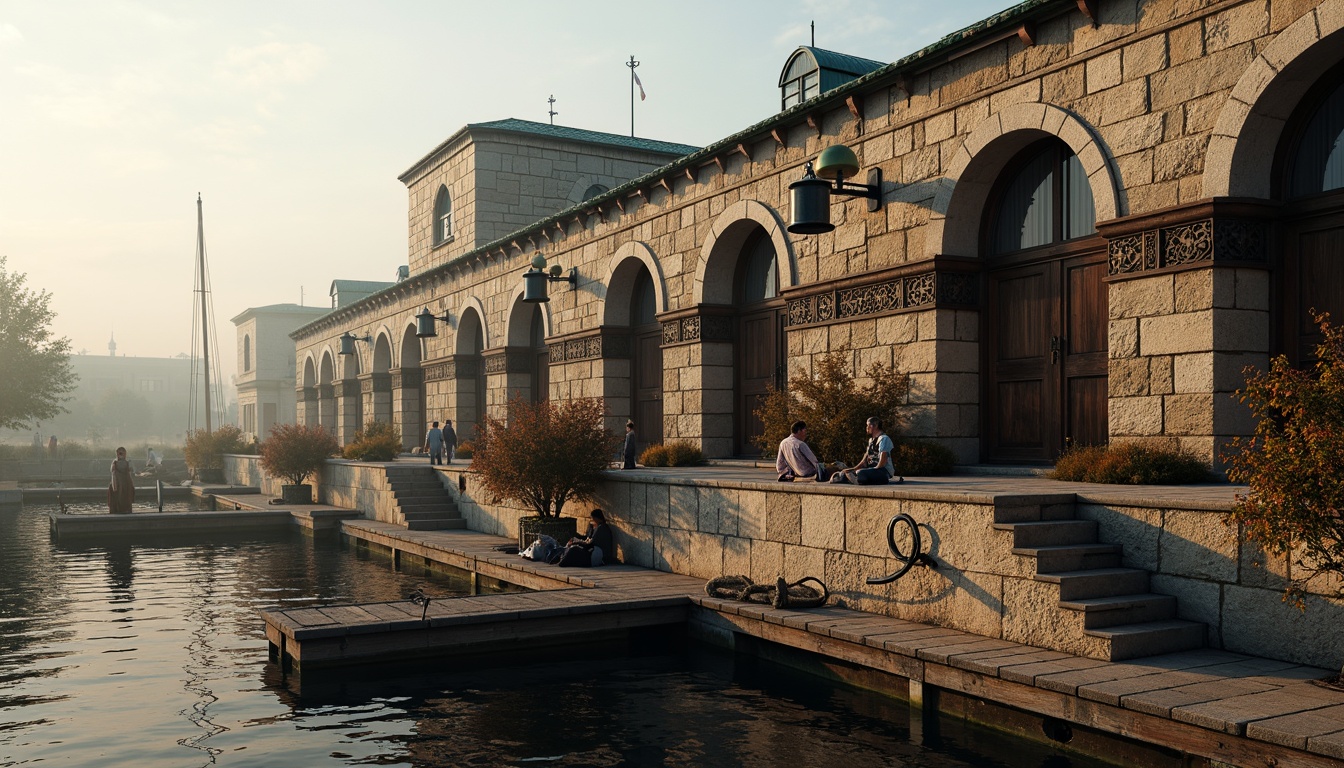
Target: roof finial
[
  {"x": 551, "y": 111},
  {"x": 814, "y": 33}
]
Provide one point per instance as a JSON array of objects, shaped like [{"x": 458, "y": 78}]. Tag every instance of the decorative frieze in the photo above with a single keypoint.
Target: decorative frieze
[
  {"x": 454, "y": 367},
  {"x": 347, "y": 388},
  {"x": 508, "y": 360},
  {"x": 1207, "y": 240},
  {"x": 702, "y": 327},
  {"x": 907, "y": 292},
  {"x": 611, "y": 343},
  {"x": 375, "y": 382},
  {"x": 406, "y": 378}
]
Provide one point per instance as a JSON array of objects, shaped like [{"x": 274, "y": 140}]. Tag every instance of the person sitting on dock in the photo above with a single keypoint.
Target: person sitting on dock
[
  {"x": 594, "y": 549},
  {"x": 795, "y": 460},
  {"x": 434, "y": 444},
  {"x": 875, "y": 468}
]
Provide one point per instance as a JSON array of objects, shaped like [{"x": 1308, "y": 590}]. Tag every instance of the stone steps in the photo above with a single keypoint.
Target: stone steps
[
  {"x": 1105, "y": 609},
  {"x": 423, "y": 503}
]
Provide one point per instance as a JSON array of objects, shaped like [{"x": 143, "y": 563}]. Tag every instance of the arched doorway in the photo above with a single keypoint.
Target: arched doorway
[
  {"x": 540, "y": 384},
  {"x": 326, "y": 393},
  {"x": 759, "y": 353},
  {"x": 380, "y": 394},
  {"x": 349, "y": 401},
  {"x": 646, "y": 361},
  {"x": 409, "y": 392},
  {"x": 1044, "y": 328},
  {"x": 307, "y": 395},
  {"x": 470, "y": 378},
  {"x": 1310, "y": 275}
]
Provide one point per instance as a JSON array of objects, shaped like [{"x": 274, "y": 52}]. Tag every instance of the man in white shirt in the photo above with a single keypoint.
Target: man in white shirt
[{"x": 795, "y": 459}]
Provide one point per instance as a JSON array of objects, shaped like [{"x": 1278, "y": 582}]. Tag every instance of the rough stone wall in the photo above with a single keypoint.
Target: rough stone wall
[
  {"x": 457, "y": 173},
  {"x": 1136, "y": 98}
]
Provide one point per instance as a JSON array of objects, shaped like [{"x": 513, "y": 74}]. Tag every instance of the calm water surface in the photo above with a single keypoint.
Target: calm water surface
[{"x": 151, "y": 654}]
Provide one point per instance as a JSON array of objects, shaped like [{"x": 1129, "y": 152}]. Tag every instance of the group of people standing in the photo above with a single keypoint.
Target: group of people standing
[
  {"x": 441, "y": 443},
  {"x": 796, "y": 461}
]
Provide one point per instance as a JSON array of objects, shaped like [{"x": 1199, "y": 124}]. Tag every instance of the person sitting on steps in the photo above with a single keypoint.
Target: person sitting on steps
[{"x": 875, "y": 468}]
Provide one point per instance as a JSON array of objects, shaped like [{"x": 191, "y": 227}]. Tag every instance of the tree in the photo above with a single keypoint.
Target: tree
[
  {"x": 37, "y": 373},
  {"x": 1291, "y": 464},
  {"x": 546, "y": 453}
]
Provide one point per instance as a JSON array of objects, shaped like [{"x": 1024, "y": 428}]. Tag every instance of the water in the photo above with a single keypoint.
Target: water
[{"x": 153, "y": 655}]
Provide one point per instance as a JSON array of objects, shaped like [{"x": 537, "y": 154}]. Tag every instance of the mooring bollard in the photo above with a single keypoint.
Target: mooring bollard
[{"x": 159, "y": 487}]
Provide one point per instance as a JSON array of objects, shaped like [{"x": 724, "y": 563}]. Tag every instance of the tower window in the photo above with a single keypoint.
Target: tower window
[{"x": 443, "y": 217}]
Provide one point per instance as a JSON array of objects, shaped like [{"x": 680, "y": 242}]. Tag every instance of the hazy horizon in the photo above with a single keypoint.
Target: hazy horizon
[{"x": 294, "y": 120}]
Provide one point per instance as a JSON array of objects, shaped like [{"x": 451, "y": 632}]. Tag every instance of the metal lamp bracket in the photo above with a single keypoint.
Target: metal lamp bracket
[{"x": 872, "y": 190}]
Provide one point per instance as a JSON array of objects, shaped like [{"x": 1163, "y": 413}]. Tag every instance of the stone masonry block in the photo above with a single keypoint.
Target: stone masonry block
[
  {"x": 1176, "y": 334},
  {"x": 866, "y": 524},
  {"x": 1103, "y": 72},
  {"x": 1196, "y": 600},
  {"x": 767, "y": 561},
  {"x": 1188, "y": 414},
  {"x": 823, "y": 521},
  {"x": 1236, "y": 25},
  {"x": 1123, "y": 338},
  {"x": 1194, "y": 373},
  {"x": 783, "y": 517},
  {"x": 1135, "y": 416},
  {"x": 1194, "y": 290},
  {"x": 1240, "y": 330},
  {"x": 1144, "y": 297},
  {"x": 1144, "y": 57},
  {"x": 1128, "y": 377},
  {"x": 1135, "y": 529},
  {"x": 1160, "y": 375},
  {"x": 1196, "y": 544},
  {"x": 1252, "y": 289},
  {"x": 706, "y": 558},
  {"x": 1305, "y": 637}
]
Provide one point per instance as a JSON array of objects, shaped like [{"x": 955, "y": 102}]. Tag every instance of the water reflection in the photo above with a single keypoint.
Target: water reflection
[{"x": 151, "y": 652}]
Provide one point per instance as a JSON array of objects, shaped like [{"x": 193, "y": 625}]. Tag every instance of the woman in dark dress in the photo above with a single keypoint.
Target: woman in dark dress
[
  {"x": 597, "y": 548},
  {"x": 121, "y": 491}
]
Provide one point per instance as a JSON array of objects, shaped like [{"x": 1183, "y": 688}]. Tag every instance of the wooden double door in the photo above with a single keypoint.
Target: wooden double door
[
  {"x": 760, "y": 366},
  {"x": 646, "y": 374},
  {"x": 1045, "y": 342},
  {"x": 1311, "y": 276}
]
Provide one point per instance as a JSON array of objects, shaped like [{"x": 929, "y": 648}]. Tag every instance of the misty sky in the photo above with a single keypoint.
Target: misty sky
[{"x": 294, "y": 119}]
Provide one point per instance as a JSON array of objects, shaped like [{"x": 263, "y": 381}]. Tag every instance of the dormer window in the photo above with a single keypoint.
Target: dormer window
[
  {"x": 443, "y": 217},
  {"x": 801, "y": 80}
]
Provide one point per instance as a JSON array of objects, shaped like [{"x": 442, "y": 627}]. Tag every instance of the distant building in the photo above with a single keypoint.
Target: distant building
[
  {"x": 266, "y": 364},
  {"x": 347, "y": 292}
]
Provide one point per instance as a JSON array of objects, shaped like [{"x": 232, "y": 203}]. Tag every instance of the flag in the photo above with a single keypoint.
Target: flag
[{"x": 641, "y": 85}]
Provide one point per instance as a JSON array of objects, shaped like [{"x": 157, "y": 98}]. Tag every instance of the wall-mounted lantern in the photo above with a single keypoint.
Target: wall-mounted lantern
[
  {"x": 424, "y": 323},
  {"x": 348, "y": 340},
  {"x": 536, "y": 278},
  {"x": 810, "y": 196}
]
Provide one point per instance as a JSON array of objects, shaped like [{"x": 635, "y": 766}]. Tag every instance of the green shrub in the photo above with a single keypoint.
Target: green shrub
[
  {"x": 654, "y": 456},
  {"x": 920, "y": 458},
  {"x": 295, "y": 451},
  {"x": 834, "y": 407},
  {"x": 377, "y": 441},
  {"x": 205, "y": 450},
  {"x": 1130, "y": 463},
  {"x": 1292, "y": 463}
]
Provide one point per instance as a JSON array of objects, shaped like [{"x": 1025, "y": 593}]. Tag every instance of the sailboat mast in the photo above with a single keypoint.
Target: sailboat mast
[{"x": 205, "y": 318}]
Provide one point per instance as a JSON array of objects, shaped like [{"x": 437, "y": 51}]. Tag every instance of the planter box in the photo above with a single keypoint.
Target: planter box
[{"x": 297, "y": 494}]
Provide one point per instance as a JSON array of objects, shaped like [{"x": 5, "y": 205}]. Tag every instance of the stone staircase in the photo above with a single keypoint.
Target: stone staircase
[
  {"x": 423, "y": 504},
  {"x": 1105, "y": 609}
]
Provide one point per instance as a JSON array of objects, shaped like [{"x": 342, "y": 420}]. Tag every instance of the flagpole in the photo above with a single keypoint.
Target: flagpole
[{"x": 632, "y": 64}]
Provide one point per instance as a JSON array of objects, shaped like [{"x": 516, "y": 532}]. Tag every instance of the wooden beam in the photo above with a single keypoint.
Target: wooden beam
[
  {"x": 1089, "y": 9},
  {"x": 662, "y": 182},
  {"x": 814, "y": 124},
  {"x": 855, "y": 104},
  {"x": 581, "y": 218},
  {"x": 690, "y": 174},
  {"x": 779, "y": 137},
  {"x": 743, "y": 149},
  {"x": 1027, "y": 34},
  {"x": 620, "y": 204}
]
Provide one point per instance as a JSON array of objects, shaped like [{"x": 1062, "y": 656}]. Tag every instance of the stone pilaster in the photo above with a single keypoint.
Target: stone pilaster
[
  {"x": 326, "y": 407},
  {"x": 306, "y": 399},
  {"x": 408, "y": 411},
  {"x": 349, "y": 410},
  {"x": 698, "y": 359}
]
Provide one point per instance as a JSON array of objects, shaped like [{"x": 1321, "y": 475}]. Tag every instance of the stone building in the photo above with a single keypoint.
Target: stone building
[
  {"x": 266, "y": 364},
  {"x": 1093, "y": 215}
]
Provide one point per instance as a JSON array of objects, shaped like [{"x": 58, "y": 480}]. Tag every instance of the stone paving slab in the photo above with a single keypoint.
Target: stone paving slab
[
  {"x": 1294, "y": 730},
  {"x": 1233, "y": 715}
]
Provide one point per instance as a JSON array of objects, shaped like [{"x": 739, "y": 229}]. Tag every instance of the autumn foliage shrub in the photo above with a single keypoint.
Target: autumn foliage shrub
[
  {"x": 464, "y": 450},
  {"x": 920, "y": 458},
  {"x": 1292, "y": 462},
  {"x": 295, "y": 451},
  {"x": 545, "y": 454},
  {"x": 377, "y": 441},
  {"x": 205, "y": 450},
  {"x": 1130, "y": 463},
  {"x": 834, "y": 406},
  {"x": 678, "y": 453}
]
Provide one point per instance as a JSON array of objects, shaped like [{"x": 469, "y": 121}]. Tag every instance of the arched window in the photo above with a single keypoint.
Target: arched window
[
  {"x": 443, "y": 217},
  {"x": 1047, "y": 200},
  {"x": 1318, "y": 163},
  {"x": 594, "y": 191},
  {"x": 247, "y": 353},
  {"x": 759, "y": 274}
]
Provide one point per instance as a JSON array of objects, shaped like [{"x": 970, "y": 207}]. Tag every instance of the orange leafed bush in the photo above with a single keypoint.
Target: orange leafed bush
[
  {"x": 295, "y": 451},
  {"x": 377, "y": 441},
  {"x": 1129, "y": 463},
  {"x": 545, "y": 454}
]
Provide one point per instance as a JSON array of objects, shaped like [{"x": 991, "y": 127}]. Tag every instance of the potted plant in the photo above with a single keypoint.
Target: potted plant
[
  {"x": 293, "y": 452},
  {"x": 205, "y": 451},
  {"x": 543, "y": 456}
]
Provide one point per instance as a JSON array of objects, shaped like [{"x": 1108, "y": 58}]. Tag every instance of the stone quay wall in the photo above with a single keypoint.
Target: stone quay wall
[{"x": 1169, "y": 106}]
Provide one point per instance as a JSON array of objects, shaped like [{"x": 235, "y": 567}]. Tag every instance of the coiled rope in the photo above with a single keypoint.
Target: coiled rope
[{"x": 781, "y": 594}]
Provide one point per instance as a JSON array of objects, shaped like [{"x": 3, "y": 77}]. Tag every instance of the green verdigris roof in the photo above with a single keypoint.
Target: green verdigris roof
[{"x": 591, "y": 137}]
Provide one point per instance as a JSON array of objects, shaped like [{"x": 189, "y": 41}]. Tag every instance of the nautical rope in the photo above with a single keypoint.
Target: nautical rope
[{"x": 781, "y": 594}]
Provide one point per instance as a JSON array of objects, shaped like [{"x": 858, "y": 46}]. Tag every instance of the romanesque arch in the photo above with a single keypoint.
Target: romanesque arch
[
  {"x": 465, "y": 341},
  {"x": 988, "y": 149},
  {"x": 1240, "y": 158},
  {"x": 518, "y": 323},
  {"x": 622, "y": 269},
  {"x": 718, "y": 255}
]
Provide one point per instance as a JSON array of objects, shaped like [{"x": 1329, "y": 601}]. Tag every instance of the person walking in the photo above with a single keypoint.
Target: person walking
[
  {"x": 121, "y": 491},
  {"x": 434, "y": 444},
  {"x": 629, "y": 453},
  {"x": 449, "y": 440}
]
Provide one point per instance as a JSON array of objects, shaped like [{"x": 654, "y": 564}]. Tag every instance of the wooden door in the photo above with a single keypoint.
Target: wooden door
[
  {"x": 1046, "y": 367},
  {"x": 541, "y": 375},
  {"x": 1312, "y": 278},
  {"x": 760, "y": 360},
  {"x": 647, "y": 374}
]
